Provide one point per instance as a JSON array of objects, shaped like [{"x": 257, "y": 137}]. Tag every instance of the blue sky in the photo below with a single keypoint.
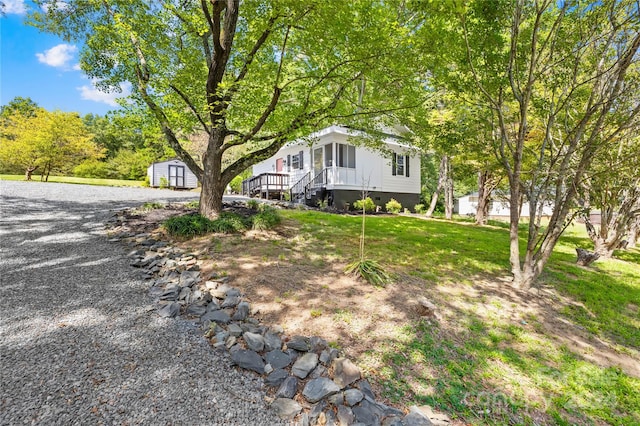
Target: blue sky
[{"x": 44, "y": 68}]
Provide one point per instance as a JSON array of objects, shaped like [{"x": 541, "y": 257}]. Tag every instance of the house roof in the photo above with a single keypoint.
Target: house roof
[{"x": 390, "y": 138}]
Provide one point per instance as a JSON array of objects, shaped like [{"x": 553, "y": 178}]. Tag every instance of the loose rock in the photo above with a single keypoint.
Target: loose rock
[
  {"x": 304, "y": 365},
  {"x": 345, "y": 416},
  {"x": 169, "y": 310},
  {"x": 254, "y": 341},
  {"x": 276, "y": 377},
  {"x": 288, "y": 388},
  {"x": 299, "y": 343},
  {"x": 317, "y": 389},
  {"x": 242, "y": 312},
  {"x": 286, "y": 408},
  {"x": 272, "y": 341},
  {"x": 345, "y": 372},
  {"x": 352, "y": 397},
  {"x": 249, "y": 360},
  {"x": 277, "y": 359}
]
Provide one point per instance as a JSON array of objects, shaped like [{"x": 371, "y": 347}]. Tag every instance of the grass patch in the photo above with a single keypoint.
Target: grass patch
[
  {"x": 497, "y": 359},
  {"x": 266, "y": 218},
  {"x": 78, "y": 180},
  {"x": 149, "y": 206}
]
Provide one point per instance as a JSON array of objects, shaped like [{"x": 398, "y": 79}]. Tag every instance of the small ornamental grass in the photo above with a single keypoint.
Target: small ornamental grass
[
  {"x": 192, "y": 225},
  {"x": 228, "y": 223},
  {"x": 367, "y": 269},
  {"x": 370, "y": 271},
  {"x": 267, "y": 218},
  {"x": 189, "y": 225}
]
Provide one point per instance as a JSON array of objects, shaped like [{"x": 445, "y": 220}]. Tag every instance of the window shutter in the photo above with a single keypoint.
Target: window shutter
[
  {"x": 289, "y": 162},
  {"x": 406, "y": 165},
  {"x": 394, "y": 164},
  {"x": 301, "y": 160}
]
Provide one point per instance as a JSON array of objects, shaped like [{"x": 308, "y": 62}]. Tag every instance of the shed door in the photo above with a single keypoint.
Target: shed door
[{"x": 176, "y": 176}]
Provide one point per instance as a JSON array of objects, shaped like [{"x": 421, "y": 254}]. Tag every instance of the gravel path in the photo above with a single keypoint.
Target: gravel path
[{"x": 80, "y": 340}]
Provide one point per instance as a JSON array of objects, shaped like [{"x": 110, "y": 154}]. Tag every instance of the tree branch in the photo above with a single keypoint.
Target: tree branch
[{"x": 191, "y": 107}]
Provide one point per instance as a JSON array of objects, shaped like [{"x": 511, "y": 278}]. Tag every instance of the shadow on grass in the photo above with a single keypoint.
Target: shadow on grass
[{"x": 530, "y": 366}]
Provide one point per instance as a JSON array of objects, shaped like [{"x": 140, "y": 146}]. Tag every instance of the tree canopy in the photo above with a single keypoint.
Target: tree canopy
[
  {"x": 254, "y": 73},
  {"x": 45, "y": 140}
]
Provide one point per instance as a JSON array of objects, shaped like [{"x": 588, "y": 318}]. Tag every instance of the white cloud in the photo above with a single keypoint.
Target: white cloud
[
  {"x": 91, "y": 93},
  {"x": 58, "y": 56},
  {"x": 55, "y": 5},
  {"x": 16, "y": 7}
]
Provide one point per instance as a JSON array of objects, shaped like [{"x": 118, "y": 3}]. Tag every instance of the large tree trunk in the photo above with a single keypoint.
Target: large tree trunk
[
  {"x": 442, "y": 176},
  {"x": 484, "y": 196},
  {"x": 213, "y": 183},
  {"x": 632, "y": 236},
  {"x": 615, "y": 223},
  {"x": 448, "y": 192}
]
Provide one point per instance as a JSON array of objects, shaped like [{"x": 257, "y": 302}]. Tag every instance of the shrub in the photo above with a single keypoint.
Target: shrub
[
  {"x": 92, "y": 169},
  {"x": 420, "y": 208},
  {"x": 370, "y": 271},
  {"x": 253, "y": 204},
  {"x": 369, "y": 205},
  {"x": 188, "y": 225},
  {"x": 393, "y": 206},
  {"x": 192, "y": 204},
  {"x": 236, "y": 184},
  {"x": 164, "y": 182},
  {"x": 267, "y": 218},
  {"x": 191, "y": 225},
  {"x": 228, "y": 223}
]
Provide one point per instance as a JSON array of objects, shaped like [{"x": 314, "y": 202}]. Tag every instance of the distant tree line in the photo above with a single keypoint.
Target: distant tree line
[{"x": 120, "y": 145}]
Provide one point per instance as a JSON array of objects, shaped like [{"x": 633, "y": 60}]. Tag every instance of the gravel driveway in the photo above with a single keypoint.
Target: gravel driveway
[{"x": 80, "y": 340}]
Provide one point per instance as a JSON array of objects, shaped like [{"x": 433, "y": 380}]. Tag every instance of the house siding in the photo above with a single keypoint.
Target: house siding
[
  {"x": 157, "y": 171},
  {"x": 373, "y": 169}
]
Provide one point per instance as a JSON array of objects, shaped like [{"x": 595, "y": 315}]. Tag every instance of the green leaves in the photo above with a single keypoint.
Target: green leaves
[{"x": 51, "y": 140}]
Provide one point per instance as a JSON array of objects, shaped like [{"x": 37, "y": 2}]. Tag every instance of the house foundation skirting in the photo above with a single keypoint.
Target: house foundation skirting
[{"x": 344, "y": 199}]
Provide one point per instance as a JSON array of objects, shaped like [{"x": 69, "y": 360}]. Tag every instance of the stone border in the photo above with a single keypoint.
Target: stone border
[{"x": 314, "y": 384}]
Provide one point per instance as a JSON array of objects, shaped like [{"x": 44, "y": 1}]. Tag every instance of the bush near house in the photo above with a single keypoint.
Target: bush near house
[
  {"x": 393, "y": 206},
  {"x": 369, "y": 205}
]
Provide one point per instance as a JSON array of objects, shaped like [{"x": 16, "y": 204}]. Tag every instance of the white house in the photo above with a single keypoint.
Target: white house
[
  {"x": 327, "y": 166},
  {"x": 498, "y": 207},
  {"x": 172, "y": 173}
]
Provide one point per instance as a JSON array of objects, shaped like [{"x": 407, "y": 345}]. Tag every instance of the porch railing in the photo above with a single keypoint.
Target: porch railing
[
  {"x": 297, "y": 191},
  {"x": 265, "y": 183}
]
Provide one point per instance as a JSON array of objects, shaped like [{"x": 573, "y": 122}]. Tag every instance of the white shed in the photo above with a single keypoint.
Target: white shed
[{"x": 172, "y": 173}]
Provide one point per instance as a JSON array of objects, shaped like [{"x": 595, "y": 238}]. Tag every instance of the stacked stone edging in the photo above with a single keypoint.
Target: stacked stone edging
[{"x": 313, "y": 384}]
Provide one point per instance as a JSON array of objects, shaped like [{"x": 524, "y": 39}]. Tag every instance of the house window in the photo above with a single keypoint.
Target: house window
[
  {"x": 328, "y": 155},
  {"x": 297, "y": 161},
  {"x": 400, "y": 165},
  {"x": 346, "y": 156}
]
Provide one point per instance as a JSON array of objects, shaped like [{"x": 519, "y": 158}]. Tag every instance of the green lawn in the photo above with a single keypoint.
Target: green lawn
[
  {"x": 499, "y": 358},
  {"x": 78, "y": 180}
]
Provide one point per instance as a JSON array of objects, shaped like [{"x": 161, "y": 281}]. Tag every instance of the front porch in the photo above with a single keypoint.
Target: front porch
[{"x": 278, "y": 186}]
